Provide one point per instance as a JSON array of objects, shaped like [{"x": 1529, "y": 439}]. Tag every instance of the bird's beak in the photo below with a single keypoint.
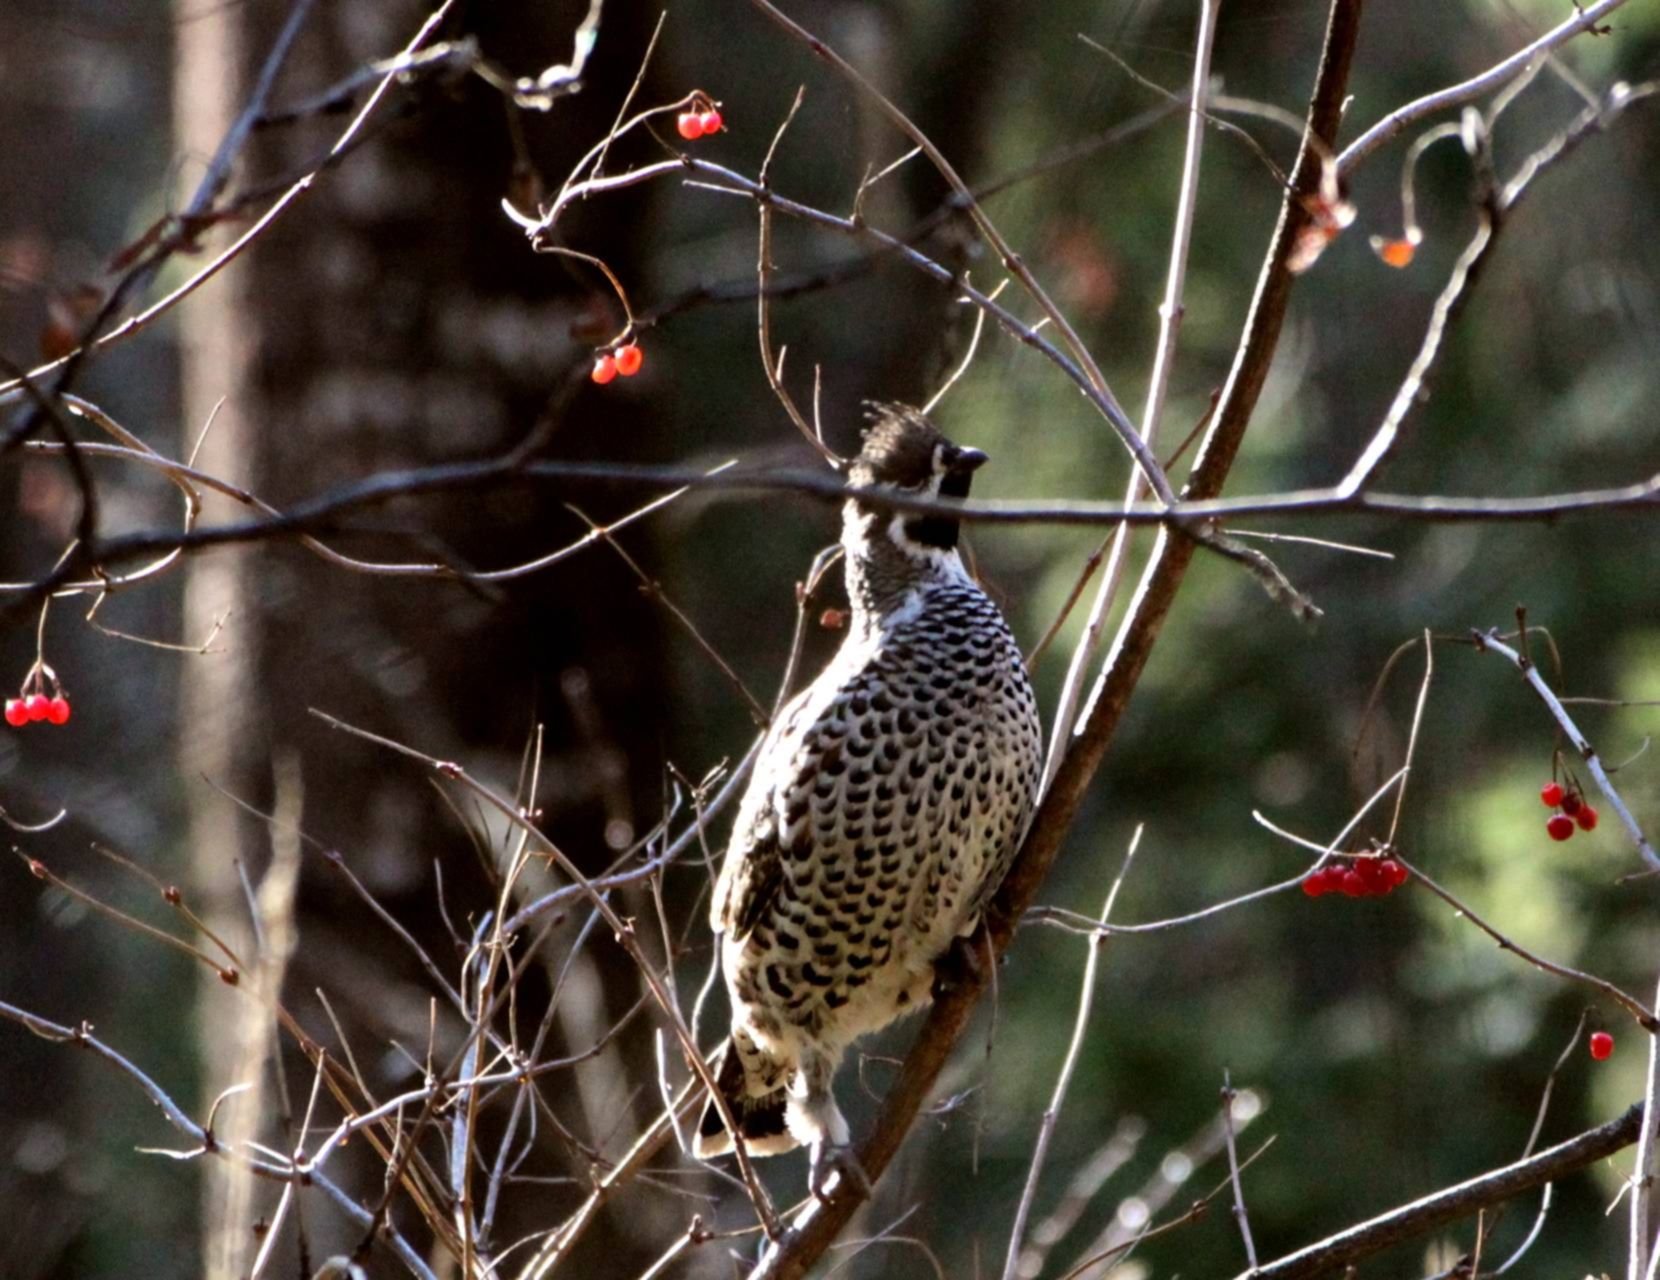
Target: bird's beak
[{"x": 965, "y": 462}]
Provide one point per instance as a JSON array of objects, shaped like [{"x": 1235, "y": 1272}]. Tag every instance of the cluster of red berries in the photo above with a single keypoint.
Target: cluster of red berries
[
  {"x": 1361, "y": 878},
  {"x": 37, "y": 706},
  {"x": 692, "y": 125},
  {"x": 1602, "y": 1045},
  {"x": 1572, "y": 811},
  {"x": 624, "y": 360}
]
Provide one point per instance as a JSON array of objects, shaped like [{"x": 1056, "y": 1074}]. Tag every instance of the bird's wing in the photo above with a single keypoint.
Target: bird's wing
[
  {"x": 753, "y": 867},
  {"x": 751, "y": 877}
]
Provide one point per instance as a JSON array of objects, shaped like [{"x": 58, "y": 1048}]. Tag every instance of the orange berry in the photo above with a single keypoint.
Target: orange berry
[
  {"x": 629, "y": 359},
  {"x": 1396, "y": 253},
  {"x": 689, "y": 124},
  {"x": 709, "y": 122},
  {"x": 605, "y": 368}
]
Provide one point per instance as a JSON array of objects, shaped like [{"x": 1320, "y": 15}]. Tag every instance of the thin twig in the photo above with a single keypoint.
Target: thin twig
[
  {"x": 1488, "y": 641},
  {"x": 774, "y": 367},
  {"x": 1412, "y": 735},
  {"x": 621, "y": 929},
  {"x": 1080, "y": 1024},
  {"x": 1646, "y": 1169},
  {"x": 203, "y": 1139},
  {"x": 1173, "y": 1173},
  {"x": 1240, "y": 1216},
  {"x": 1440, "y": 1208},
  {"x": 1170, "y": 323},
  {"x": 1011, "y": 261},
  {"x": 1644, "y": 1016},
  {"x": 1495, "y": 77},
  {"x": 1495, "y": 203}
]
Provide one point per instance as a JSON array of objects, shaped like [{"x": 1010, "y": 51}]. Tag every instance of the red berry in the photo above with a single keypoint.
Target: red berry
[
  {"x": 1394, "y": 874},
  {"x": 709, "y": 122},
  {"x": 1587, "y": 818},
  {"x": 1602, "y": 1044},
  {"x": 1571, "y": 803},
  {"x": 1551, "y": 793},
  {"x": 1353, "y": 884},
  {"x": 57, "y": 710},
  {"x": 17, "y": 715},
  {"x": 690, "y": 125},
  {"x": 1560, "y": 826},
  {"x": 1314, "y": 884},
  {"x": 605, "y": 368},
  {"x": 629, "y": 359},
  {"x": 1375, "y": 877},
  {"x": 37, "y": 705}
]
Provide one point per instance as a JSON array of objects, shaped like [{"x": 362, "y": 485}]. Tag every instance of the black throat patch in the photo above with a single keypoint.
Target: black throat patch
[{"x": 941, "y": 531}]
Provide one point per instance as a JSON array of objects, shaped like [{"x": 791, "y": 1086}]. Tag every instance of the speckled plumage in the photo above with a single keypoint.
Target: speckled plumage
[{"x": 885, "y": 806}]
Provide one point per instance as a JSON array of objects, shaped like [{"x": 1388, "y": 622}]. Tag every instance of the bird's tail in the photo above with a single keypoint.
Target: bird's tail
[{"x": 757, "y": 1110}]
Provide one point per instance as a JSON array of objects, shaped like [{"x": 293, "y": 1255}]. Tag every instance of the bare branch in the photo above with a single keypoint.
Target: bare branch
[
  {"x": 1170, "y": 323},
  {"x": 1495, "y": 77},
  {"x": 950, "y": 1015},
  {"x": 1488, "y": 641},
  {"x": 1012, "y": 262},
  {"x": 1080, "y": 1025},
  {"x": 206, "y": 1145},
  {"x": 1442, "y": 1207},
  {"x": 1644, "y": 1016},
  {"x": 1493, "y": 206},
  {"x": 1646, "y": 1170}
]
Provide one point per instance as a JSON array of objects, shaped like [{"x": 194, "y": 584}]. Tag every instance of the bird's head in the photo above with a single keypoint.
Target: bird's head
[{"x": 906, "y": 453}]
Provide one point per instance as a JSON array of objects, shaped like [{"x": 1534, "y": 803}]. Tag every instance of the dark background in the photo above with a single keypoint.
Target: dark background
[{"x": 394, "y": 317}]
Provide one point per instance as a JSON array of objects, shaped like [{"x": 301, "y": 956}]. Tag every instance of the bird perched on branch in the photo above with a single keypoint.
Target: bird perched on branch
[{"x": 886, "y": 804}]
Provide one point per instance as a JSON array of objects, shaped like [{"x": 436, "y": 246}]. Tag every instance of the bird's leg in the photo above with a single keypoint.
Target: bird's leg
[
  {"x": 815, "y": 1119},
  {"x": 959, "y": 962}
]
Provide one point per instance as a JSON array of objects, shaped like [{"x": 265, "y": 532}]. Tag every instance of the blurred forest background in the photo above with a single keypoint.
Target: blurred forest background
[{"x": 394, "y": 317}]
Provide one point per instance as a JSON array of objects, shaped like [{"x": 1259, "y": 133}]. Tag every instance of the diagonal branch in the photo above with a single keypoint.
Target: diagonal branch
[
  {"x": 1170, "y": 323},
  {"x": 1402, "y": 118},
  {"x": 1011, "y": 260},
  {"x": 1438, "y": 1209},
  {"x": 1493, "y": 209},
  {"x": 814, "y": 1231}
]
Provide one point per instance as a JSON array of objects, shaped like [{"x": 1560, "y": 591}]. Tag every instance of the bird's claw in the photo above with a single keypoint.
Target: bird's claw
[{"x": 830, "y": 1159}]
